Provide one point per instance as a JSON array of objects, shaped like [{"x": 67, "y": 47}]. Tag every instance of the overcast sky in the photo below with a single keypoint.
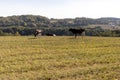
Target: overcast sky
[{"x": 61, "y": 8}]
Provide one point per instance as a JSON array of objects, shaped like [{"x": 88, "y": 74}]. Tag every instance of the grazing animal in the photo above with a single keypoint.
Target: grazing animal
[
  {"x": 77, "y": 31},
  {"x": 37, "y": 32},
  {"x": 48, "y": 34}
]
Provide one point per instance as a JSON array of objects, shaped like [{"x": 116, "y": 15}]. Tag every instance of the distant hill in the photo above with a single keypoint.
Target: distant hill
[
  {"x": 41, "y": 21},
  {"x": 26, "y": 25}
]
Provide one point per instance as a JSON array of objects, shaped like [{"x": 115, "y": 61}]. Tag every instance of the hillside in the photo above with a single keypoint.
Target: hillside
[
  {"x": 41, "y": 21},
  {"x": 26, "y": 24}
]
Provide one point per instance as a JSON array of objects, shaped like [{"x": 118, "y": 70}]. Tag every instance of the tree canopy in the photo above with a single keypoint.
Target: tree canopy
[{"x": 26, "y": 24}]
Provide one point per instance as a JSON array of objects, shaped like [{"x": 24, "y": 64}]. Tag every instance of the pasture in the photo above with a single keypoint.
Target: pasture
[{"x": 59, "y": 58}]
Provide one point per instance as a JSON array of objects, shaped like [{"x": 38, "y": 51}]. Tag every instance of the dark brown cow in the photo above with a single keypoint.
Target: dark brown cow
[
  {"x": 77, "y": 31},
  {"x": 37, "y": 32}
]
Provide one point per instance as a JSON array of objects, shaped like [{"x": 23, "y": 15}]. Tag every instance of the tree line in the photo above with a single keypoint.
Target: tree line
[{"x": 26, "y": 25}]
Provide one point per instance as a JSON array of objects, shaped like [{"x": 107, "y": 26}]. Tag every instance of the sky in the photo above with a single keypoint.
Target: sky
[{"x": 61, "y": 8}]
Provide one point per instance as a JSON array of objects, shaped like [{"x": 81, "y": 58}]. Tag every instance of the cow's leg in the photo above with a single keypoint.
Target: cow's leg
[
  {"x": 83, "y": 35},
  {"x": 75, "y": 36},
  {"x": 34, "y": 35}
]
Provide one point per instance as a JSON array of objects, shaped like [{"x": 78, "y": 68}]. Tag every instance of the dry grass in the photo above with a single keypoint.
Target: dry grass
[{"x": 59, "y": 58}]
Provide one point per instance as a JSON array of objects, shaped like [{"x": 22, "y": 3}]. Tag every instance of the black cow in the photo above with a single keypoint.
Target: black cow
[
  {"x": 37, "y": 32},
  {"x": 77, "y": 31}
]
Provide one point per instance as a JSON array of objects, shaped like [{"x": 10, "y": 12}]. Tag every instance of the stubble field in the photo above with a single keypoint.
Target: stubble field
[{"x": 59, "y": 58}]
